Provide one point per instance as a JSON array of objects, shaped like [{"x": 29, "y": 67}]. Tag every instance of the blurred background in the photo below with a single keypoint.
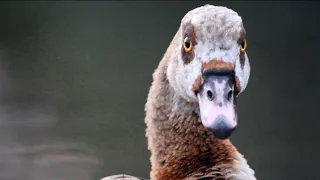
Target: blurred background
[{"x": 74, "y": 78}]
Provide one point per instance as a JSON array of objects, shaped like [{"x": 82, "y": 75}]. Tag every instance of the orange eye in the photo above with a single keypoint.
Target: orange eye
[
  {"x": 187, "y": 44},
  {"x": 243, "y": 45}
]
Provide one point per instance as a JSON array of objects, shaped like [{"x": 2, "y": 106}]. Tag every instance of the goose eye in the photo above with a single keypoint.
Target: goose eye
[
  {"x": 243, "y": 45},
  {"x": 187, "y": 44}
]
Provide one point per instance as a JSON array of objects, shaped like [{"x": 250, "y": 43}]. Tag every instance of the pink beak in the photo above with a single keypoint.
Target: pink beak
[{"x": 217, "y": 103}]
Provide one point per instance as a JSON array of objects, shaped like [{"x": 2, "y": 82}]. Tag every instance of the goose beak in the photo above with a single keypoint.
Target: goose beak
[{"x": 216, "y": 98}]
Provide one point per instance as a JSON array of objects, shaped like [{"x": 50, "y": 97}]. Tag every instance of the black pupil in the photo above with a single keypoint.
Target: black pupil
[
  {"x": 187, "y": 43},
  {"x": 242, "y": 44}
]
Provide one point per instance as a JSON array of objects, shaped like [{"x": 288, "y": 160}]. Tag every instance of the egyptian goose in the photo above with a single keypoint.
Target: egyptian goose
[{"x": 190, "y": 110}]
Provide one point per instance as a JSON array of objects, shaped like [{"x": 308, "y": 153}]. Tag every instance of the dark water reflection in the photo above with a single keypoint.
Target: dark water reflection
[{"x": 31, "y": 146}]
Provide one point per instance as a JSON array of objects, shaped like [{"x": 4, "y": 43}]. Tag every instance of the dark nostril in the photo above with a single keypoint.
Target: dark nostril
[
  {"x": 210, "y": 95},
  {"x": 230, "y": 93}
]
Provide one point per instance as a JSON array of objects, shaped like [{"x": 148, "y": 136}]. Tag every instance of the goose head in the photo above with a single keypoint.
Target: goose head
[{"x": 211, "y": 66}]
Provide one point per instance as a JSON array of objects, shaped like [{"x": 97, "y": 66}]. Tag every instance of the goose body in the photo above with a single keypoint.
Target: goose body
[{"x": 190, "y": 109}]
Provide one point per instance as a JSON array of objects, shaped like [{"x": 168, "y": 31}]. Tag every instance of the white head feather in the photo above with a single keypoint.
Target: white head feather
[{"x": 217, "y": 32}]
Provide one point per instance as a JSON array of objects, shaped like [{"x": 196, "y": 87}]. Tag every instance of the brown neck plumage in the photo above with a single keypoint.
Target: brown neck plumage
[{"x": 180, "y": 145}]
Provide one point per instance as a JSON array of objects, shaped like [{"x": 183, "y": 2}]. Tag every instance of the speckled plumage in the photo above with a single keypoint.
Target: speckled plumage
[
  {"x": 217, "y": 31},
  {"x": 181, "y": 147}
]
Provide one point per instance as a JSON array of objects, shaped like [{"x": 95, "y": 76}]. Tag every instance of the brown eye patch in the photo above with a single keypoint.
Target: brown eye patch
[
  {"x": 242, "y": 43},
  {"x": 189, "y": 36},
  {"x": 242, "y": 59}
]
